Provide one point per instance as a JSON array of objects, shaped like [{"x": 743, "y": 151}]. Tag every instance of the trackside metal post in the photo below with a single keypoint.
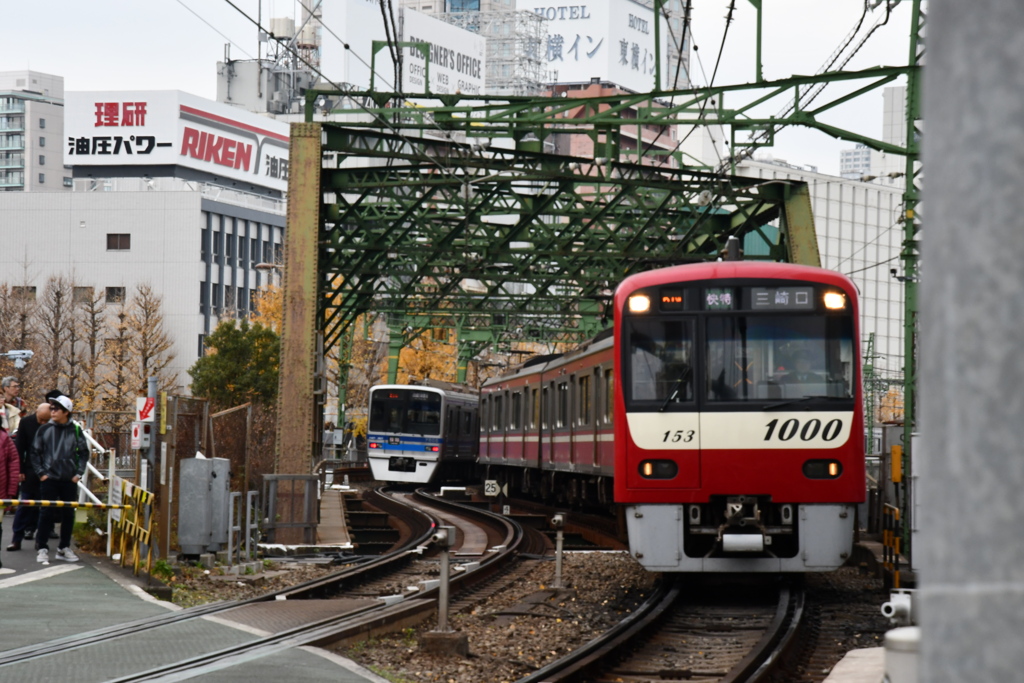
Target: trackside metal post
[
  {"x": 444, "y": 537},
  {"x": 558, "y": 521}
]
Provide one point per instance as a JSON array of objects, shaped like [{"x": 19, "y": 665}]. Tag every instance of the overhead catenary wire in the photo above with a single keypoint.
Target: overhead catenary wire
[
  {"x": 215, "y": 29},
  {"x": 339, "y": 87}
]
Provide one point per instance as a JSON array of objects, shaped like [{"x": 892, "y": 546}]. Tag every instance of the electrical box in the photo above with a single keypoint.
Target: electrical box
[
  {"x": 141, "y": 434},
  {"x": 204, "y": 496}
]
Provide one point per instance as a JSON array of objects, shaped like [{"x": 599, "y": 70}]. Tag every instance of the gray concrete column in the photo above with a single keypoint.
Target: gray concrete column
[{"x": 971, "y": 456}]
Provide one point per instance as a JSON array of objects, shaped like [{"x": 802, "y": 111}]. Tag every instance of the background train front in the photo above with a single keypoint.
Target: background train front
[
  {"x": 415, "y": 429},
  {"x": 722, "y": 464}
]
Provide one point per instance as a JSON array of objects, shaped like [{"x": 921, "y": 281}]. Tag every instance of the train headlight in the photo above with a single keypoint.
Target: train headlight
[
  {"x": 835, "y": 301},
  {"x": 823, "y": 469},
  {"x": 658, "y": 469},
  {"x": 375, "y": 445},
  {"x": 639, "y": 303}
]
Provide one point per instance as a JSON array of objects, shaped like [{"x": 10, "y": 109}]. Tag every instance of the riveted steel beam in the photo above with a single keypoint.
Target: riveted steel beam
[{"x": 296, "y": 433}]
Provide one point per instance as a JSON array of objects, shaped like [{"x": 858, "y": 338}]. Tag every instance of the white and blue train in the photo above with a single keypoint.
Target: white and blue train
[{"x": 414, "y": 428}]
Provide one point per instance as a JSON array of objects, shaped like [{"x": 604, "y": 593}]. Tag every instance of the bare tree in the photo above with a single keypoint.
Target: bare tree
[
  {"x": 19, "y": 329},
  {"x": 118, "y": 374},
  {"x": 149, "y": 342},
  {"x": 55, "y": 319},
  {"x": 90, "y": 323}
]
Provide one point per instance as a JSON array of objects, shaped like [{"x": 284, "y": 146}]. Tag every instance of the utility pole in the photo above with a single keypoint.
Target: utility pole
[{"x": 910, "y": 255}]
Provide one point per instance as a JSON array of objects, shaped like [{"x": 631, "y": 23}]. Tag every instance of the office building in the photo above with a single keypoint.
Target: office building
[{"x": 32, "y": 133}]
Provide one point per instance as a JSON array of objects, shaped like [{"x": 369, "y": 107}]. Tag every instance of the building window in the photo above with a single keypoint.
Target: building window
[
  {"x": 81, "y": 295},
  {"x": 42, "y": 177},
  {"x": 42, "y": 160},
  {"x": 202, "y": 345},
  {"x": 115, "y": 295},
  {"x": 24, "y": 293},
  {"x": 217, "y": 294},
  {"x": 119, "y": 241},
  {"x": 67, "y": 182},
  {"x": 42, "y": 123},
  {"x": 42, "y": 141},
  {"x": 218, "y": 237}
]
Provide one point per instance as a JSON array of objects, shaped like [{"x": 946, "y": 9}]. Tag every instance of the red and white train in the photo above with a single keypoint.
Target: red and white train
[{"x": 724, "y": 414}]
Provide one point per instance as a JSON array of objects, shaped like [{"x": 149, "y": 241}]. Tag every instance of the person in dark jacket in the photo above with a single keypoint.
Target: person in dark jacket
[
  {"x": 26, "y": 519},
  {"x": 59, "y": 457},
  {"x": 10, "y": 467}
]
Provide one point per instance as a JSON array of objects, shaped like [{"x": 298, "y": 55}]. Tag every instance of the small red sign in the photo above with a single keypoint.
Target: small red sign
[{"x": 144, "y": 409}]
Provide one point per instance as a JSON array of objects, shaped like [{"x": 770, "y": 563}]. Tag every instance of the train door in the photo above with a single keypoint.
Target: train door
[
  {"x": 547, "y": 427},
  {"x": 531, "y": 446},
  {"x": 514, "y": 443},
  {"x": 572, "y": 425},
  {"x": 561, "y": 440},
  {"x": 588, "y": 415},
  {"x": 504, "y": 427},
  {"x": 606, "y": 447}
]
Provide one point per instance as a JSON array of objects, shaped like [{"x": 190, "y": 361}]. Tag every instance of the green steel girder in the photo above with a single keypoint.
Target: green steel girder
[
  {"x": 520, "y": 244},
  {"x": 483, "y": 116},
  {"x": 452, "y": 210}
]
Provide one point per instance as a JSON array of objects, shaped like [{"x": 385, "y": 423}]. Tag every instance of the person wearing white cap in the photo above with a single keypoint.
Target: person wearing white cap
[{"x": 59, "y": 456}]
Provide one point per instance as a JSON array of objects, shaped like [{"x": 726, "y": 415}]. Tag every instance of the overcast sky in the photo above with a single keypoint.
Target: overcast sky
[{"x": 161, "y": 44}]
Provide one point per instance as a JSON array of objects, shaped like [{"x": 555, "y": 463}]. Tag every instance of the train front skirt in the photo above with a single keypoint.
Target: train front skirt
[{"x": 658, "y": 541}]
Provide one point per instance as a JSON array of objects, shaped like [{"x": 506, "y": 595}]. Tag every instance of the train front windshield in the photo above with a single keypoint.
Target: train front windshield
[
  {"x": 712, "y": 346},
  {"x": 758, "y": 358},
  {"x": 405, "y": 411}
]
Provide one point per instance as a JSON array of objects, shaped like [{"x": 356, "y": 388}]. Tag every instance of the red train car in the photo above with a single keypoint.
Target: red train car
[{"x": 726, "y": 409}]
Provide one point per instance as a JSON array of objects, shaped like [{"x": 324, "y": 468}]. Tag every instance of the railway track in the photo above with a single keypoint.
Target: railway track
[
  {"x": 326, "y": 610},
  {"x": 727, "y": 636}
]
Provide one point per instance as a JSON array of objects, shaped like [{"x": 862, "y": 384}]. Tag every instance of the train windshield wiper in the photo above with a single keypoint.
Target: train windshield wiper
[
  {"x": 804, "y": 399},
  {"x": 685, "y": 377}
]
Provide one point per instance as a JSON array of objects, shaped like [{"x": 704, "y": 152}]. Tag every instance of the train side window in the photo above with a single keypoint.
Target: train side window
[
  {"x": 535, "y": 412},
  {"x": 467, "y": 422},
  {"x": 609, "y": 393},
  {"x": 584, "y": 400},
  {"x": 545, "y": 413},
  {"x": 562, "y": 407},
  {"x": 496, "y": 407},
  {"x": 450, "y": 424},
  {"x": 517, "y": 411}
]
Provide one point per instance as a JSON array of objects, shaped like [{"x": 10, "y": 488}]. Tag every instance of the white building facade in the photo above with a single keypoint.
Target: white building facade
[
  {"x": 32, "y": 133},
  {"x": 860, "y": 234},
  {"x": 170, "y": 190}
]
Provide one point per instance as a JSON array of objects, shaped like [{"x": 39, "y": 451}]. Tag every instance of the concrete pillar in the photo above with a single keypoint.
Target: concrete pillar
[{"x": 971, "y": 460}]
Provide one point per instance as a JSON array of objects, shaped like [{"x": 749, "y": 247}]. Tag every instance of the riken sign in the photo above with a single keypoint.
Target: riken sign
[{"x": 174, "y": 128}]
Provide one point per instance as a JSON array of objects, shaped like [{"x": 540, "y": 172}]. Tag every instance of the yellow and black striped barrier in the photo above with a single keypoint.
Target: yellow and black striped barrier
[
  {"x": 132, "y": 526},
  {"x": 892, "y": 533},
  {"x": 7, "y": 502}
]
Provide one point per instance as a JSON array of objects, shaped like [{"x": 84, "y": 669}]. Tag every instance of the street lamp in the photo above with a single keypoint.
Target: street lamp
[
  {"x": 269, "y": 268},
  {"x": 19, "y": 357}
]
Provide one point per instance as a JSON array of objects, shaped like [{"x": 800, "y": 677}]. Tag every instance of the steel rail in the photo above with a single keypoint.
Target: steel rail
[
  {"x": 324, "y": 630},
  {"x": 762, "y": 659},
  {"x": 665, "y": 594},
  {"x": 369, "y": 568},
  {"x": 332, "y": 629}
]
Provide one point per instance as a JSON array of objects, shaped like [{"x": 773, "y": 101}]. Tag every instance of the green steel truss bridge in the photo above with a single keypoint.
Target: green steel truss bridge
[{"x": 468, "y": 212}]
